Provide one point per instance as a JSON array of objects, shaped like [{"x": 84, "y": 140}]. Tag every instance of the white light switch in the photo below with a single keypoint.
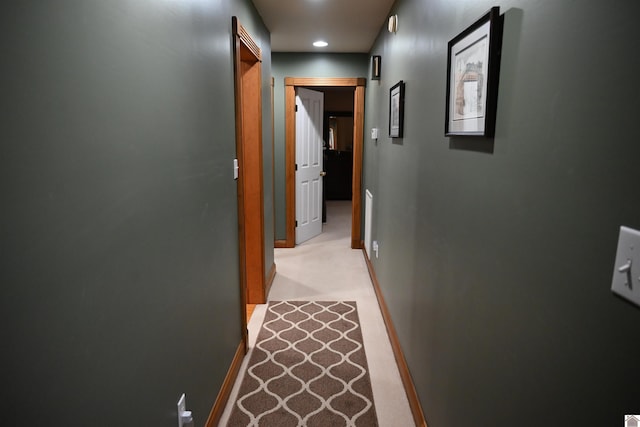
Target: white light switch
[
  {"x": 626, "y": 271},
  {"x": 374, "y": 133},
  {"x": 236, "y": 168}
]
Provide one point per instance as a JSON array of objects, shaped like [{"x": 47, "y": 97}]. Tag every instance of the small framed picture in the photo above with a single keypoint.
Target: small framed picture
[
  {"x": 376, "y": 67},
  {"x": 396, "y": 110},
  {"x": 473, "y": 68}
]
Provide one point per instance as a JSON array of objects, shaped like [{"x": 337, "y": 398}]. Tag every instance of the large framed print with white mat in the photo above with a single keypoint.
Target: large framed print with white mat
[{"x": 473, "y": 68}]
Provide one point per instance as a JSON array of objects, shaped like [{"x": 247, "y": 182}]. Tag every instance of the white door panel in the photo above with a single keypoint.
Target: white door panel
[{"x": 309, "y": 115}]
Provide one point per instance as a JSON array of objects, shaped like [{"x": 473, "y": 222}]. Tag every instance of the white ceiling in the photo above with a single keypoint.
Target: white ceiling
[{"x": 347, "y": 25}]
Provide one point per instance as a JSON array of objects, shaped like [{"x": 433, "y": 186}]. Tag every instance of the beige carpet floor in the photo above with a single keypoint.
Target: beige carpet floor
[{"x": 327, "y": 269}]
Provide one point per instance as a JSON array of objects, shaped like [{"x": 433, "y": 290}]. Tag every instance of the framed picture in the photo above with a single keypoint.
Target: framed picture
[
  {"x": 396, "y": 110},
  {"x": 473, "y": 68},
  {"x": 376, "y": 67}
]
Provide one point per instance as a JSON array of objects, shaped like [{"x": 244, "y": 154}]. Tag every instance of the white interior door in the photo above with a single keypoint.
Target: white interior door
[{"x": 309, "y": 115}]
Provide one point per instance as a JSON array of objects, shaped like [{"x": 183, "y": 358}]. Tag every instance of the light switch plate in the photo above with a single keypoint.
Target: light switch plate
[
  {"x": 374, "y": 133},
  {"x": 626, "y": 271}
]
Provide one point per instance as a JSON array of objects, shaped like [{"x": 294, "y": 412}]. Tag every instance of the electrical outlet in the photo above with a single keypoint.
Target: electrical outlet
[{"x": 626, "y": 271}]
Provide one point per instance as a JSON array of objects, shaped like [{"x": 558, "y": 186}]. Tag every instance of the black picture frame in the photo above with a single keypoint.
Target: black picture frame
[
  {"x": 376, "y": 67},
  {"x": 473, "y": 71},
  {"x": 396, "y": 110}
]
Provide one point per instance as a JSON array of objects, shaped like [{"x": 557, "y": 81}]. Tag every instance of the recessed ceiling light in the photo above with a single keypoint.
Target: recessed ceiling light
[{"x": 320, "y": 43}]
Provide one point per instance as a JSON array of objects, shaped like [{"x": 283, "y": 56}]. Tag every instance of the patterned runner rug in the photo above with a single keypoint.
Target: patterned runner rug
[{"x": 308, "y": 369}]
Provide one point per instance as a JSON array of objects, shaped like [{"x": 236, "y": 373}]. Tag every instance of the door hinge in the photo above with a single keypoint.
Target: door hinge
[
  {"x": 296, "y": 108},
  {"x": 296, "y": 223},
  {"x": 296, "y": 166}
]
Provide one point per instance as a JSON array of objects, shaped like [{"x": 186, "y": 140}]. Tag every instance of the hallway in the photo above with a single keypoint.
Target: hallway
[{"x": 326, "y": 268}]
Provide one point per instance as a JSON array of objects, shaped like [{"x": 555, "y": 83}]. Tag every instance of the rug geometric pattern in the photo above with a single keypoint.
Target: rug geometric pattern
[{"x": 308, "y": 368}]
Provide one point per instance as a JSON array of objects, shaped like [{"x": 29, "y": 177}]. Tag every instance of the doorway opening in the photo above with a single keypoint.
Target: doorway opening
[
  {"x": 358, "y": 86},
  {"x": 338, "y": 152}
]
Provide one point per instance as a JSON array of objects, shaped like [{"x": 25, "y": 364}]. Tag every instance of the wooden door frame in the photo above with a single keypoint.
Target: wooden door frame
[
  {"x": 290, "y": 84},
  {"x": 247, "y": 83}
]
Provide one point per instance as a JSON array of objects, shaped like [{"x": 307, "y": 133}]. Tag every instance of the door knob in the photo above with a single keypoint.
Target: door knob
[{"x": 323, "y": 173}]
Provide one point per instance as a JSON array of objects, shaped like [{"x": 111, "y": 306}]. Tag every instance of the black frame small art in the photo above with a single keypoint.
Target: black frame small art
[
  {"x": 473, "y": 68},
  {"x": 376, "y": 67},
  {"x": 396, "y": 110}
]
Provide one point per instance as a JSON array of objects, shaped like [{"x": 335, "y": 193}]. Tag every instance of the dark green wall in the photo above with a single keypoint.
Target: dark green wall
[
  {"x": 496, "y": 256},
  {"x": 303, "y": 65},
  {"x": 119, "y": 211}
]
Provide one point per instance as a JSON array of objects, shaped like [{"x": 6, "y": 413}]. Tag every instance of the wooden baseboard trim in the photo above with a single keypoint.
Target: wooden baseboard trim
[
  {"x": 270, "y": 277},
  {"x": 281, "y": 244},
  {"x": 227, "y": 386},
  {"x": 405, "y": 375}
]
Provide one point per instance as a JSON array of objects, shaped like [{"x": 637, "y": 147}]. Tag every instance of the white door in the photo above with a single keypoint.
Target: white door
[{"x": 310, "y": 111}]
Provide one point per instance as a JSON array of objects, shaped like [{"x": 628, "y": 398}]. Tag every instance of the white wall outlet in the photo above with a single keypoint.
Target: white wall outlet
[
  {"x": 626, "y": 271},
  {"x": 374, "y": 133},
  {"x": 184, "y": 416}
]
